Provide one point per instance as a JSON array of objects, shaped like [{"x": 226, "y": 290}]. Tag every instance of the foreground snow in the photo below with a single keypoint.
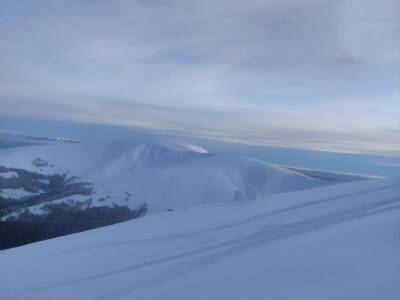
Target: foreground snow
[{"x": 339, "y": 241}]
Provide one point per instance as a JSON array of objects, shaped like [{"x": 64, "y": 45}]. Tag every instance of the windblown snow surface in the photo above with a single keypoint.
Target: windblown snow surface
[{"x": 337, "y": 241}]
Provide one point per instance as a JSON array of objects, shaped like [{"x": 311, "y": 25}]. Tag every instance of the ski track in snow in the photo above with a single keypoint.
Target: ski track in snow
[
  {"x": 231, "y": 225},
  {"x": 270, "y": 229}
]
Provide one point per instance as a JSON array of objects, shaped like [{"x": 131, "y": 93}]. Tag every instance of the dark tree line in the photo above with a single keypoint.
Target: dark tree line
[{"x": 61, "y": 219}]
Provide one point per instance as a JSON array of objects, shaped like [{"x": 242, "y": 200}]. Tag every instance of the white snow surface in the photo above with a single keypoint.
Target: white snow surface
[
  {"x": 9, "y": 174},
  {"x": 17, "y": 194},
  {"x": 335, "y": 242},
  {"x": 164, "y": 175}
]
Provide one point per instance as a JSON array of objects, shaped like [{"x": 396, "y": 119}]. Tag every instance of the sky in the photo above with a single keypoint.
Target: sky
[{"x": 309, "y": 74}]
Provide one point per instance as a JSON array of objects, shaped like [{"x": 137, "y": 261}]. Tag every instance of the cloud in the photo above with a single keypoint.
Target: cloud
[
  {"x": 307, "y": 73},
  {"x": 370, "y": 30}
]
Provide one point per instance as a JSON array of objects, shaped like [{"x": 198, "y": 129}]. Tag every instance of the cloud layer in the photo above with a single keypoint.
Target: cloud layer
[{"x": 304, "y": 73}]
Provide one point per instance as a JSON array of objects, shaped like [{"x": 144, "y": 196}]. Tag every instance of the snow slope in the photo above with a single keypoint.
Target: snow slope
[
  {"x": 164, "y": 175},
  {"x": 338, "y": 241},
  {"x": 334, "y": 177}
]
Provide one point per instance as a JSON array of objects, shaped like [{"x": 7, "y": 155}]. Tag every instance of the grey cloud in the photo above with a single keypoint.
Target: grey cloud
[{"x": 254, "y": 71}]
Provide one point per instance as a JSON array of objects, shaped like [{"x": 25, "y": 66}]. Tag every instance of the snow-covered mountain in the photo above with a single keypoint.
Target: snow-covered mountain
[
  {"x": 58, "y": 188},
  {"x": 164, "y": 175},
  {"x": 338, "y": 242},
  {"x": 217, "y": 226}
]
